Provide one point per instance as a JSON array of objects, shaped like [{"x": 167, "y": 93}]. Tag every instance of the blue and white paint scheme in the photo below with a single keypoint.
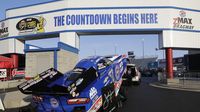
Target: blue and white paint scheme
[{"x": 80, "y": 88}]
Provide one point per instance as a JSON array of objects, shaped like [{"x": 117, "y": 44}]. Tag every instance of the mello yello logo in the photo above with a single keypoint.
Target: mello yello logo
[
  {"x": 31, "y": 25},
  {"x": 26, "y": 24}
]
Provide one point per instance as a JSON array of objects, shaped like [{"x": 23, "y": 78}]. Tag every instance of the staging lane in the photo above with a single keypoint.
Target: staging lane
[{"x": 144, "y": 98}]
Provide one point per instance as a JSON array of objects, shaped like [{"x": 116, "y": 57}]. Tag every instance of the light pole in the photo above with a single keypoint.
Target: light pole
[
  {"x": 156, "y": 49},
  {"x": 163, "y": 52},
  {"x": 143, "y": 48}
]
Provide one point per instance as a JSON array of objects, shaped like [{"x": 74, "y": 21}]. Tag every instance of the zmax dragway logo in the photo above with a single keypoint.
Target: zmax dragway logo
[{"x": 182, "y": 22}]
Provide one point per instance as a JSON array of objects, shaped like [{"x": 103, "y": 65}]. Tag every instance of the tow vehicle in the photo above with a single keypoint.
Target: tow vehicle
[
  {"x": 132, "y": 75},
  {"x": 92, "y": 86}
]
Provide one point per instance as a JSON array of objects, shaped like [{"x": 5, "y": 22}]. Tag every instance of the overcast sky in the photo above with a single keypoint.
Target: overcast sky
[{"x": 99, "y": 45}]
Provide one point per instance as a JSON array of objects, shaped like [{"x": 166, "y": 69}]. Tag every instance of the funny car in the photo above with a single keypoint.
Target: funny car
[{"x": 92, "y": 86}]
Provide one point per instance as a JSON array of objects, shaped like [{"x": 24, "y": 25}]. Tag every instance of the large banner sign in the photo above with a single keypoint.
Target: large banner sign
[
  {"x": 102, "y": 19},
  {"x": 180, "y": 28},
  {"x": 4, "y": 29},
  {"x": 106, "y": 19}
]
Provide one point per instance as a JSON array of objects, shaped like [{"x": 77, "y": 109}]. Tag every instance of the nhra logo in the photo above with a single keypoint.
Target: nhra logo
[
  {"x": 182, "y": 22},
  {"x": 31, "y": 25}
]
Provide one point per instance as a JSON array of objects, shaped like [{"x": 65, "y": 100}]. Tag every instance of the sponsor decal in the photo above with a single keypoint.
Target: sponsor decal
[
  {"x": 106, "y": 81},
  {"x": 101, "y": 66},
  {"x": 3, "y": 29},
  {"x": 77, "y": 94},
  {"x": 95, "y": 98},
  {"x": 79, "y": 81},
  {"x": 68, "y": 88},
  {"x": 95, "y": 107},
  {"x": 73, "y": 94},
  {"x": 73, "y": 85},
  {"x": 111, "y": 75},
  {"x": 93, "y": 92},
  {"x": 15, "y": 72},
  {"x": 183, "y": 21},
  {"x": 72, "y": 90},
  {"x": 31, "y": 25},
  {"x": 109, "y": 99},
  {"x": 78, "y": 70},
  {"x": 48, "y": 75},
  {"x": 121, "y": 67},
  {"x": 118, "y": 70},
  {"x": 54, "y": 102},
  {"x": 37, "y": 77},
  {"x": 3, "y": 73},
  {"x": 117, "y": 86}
]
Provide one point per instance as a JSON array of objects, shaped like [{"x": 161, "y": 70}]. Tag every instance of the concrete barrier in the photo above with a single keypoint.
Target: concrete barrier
[
  {"x": 16, "y": 99},
  {"x": 11, "y": 83},
  {"x": 172, "y": 81},
  {"x": 13, "y": 99}
]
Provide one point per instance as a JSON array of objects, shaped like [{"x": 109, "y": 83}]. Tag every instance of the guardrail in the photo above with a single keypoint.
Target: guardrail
[
  {"x": 188, "y": 75},
  {"x": 189, "y": 80}
]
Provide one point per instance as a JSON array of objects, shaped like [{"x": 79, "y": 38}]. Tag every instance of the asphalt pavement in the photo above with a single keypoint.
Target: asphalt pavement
[{"x": 145, "y": 98}]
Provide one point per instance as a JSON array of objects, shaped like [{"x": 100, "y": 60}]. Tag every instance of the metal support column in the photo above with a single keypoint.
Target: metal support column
[
  {"x": 15, "y": 58},
  {"x": 169, "y": 63}
]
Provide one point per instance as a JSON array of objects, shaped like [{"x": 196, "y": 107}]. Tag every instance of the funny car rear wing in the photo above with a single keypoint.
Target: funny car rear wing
[
  {"x": 40, "y": 83},
  {"x": 52, "y": 82}
]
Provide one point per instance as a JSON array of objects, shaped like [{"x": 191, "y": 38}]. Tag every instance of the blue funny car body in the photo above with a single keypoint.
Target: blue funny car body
[{"x": 93, "y": 85}]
